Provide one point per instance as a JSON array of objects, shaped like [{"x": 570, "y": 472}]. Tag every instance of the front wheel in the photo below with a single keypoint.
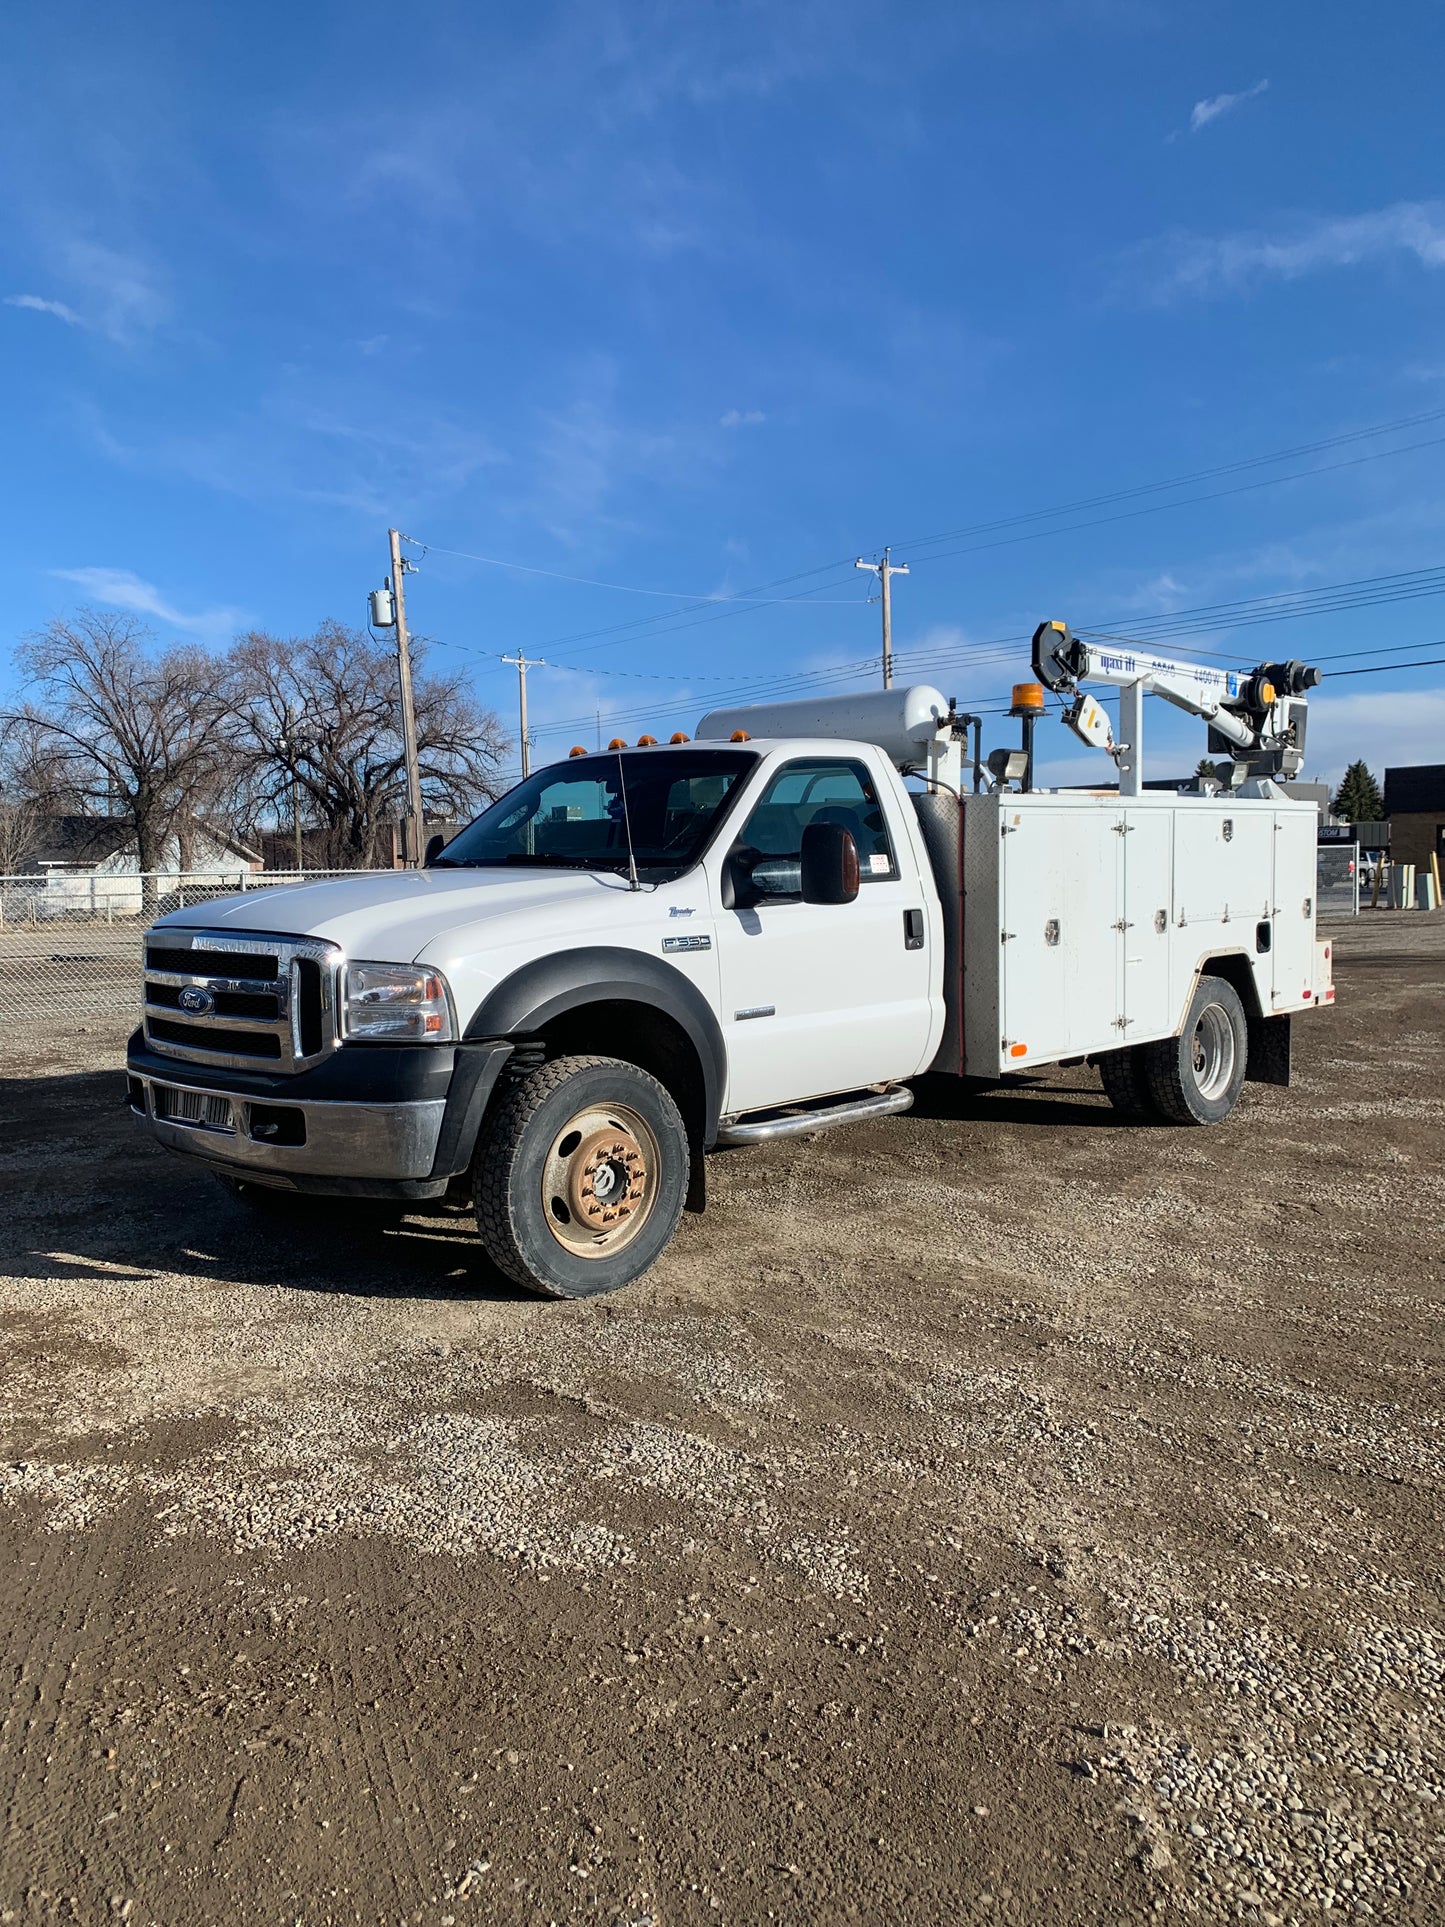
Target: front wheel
[
  {"x": 580, "y": 1176},
  {"x": 1196, "y": 1077}
]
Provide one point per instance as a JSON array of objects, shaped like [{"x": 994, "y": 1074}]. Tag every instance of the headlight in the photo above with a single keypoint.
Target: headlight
[{"x": 398, "y": 1002}]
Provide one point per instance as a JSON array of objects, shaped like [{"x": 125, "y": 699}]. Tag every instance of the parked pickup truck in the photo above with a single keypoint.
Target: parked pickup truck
[{"x": 638, "y": 955}]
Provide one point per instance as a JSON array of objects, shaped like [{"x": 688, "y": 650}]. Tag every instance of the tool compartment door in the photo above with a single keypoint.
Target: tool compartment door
[
  {"x": 1223, "y": 851},
  {"x": 1148, "y": 855},
  {"x": 1293, "y": 940},
  {"x": 1060, "y": 956}
]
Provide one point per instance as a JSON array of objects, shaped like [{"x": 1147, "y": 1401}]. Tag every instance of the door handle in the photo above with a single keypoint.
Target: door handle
[{"x": 912, "y": 929}]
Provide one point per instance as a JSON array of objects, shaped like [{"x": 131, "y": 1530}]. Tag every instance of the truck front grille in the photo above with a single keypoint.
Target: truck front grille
[{"x": 263, "y": 1002}]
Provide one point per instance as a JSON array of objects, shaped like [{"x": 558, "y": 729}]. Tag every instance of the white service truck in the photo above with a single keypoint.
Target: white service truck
[{"x": 640, "y": 954}]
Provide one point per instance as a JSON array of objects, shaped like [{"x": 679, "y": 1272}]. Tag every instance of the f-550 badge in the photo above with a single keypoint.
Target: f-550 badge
[{"x": 687, "y": 943}]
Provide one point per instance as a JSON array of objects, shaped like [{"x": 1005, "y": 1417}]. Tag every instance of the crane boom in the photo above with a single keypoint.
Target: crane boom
[{"x": 1257, "y": 719}]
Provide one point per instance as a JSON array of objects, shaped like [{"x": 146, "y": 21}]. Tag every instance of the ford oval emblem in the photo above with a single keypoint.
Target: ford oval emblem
[{"x": 197, "y": 1002}]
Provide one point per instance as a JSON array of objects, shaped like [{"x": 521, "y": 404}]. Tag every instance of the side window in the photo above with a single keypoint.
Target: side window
[{"x": 816, "y": 791}]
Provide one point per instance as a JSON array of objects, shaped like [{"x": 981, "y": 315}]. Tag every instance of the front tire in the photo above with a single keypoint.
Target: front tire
[
  {"x": 580, "y": 1176},
  {"x": 1196, "y": 1077}
]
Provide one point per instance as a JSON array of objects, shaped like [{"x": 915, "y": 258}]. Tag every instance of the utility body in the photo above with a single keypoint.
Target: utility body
[{"x": 642, "y": 954}]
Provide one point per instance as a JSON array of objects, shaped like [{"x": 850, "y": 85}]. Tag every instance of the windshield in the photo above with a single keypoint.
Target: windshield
[{"x": 572, "y": 815}]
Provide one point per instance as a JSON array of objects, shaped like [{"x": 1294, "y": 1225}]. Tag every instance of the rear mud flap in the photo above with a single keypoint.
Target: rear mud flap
[{"x": 1269, "y": 1048}]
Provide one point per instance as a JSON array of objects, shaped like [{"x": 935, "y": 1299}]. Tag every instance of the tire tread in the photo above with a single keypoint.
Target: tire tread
[
  {"x": 1121, "y": 1072},
  {"x": 491, "y": 1186},
  {"x": 1161, "y": 1063}
]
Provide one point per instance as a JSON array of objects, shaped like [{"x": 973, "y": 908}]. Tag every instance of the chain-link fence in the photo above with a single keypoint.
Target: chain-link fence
[
  {"x": 70, "y": 954},
  {"x": 1339, "y": 880}
]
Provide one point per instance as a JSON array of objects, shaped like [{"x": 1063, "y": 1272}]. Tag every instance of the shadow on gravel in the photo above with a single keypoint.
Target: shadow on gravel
[
  {"x": 85, "y": 1194},
  {"x": 1037, "y": 1104}
]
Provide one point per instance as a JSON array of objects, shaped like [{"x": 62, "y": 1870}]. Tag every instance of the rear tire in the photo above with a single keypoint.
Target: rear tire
[
  {"x": 580, "y": 1176},
  {"x": 1196, "y": 1077},
  {"x": 1125, "y": 1084}
]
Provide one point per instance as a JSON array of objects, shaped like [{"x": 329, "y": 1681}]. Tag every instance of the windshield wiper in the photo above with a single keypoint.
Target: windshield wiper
[{"x": 544, "y": 860}]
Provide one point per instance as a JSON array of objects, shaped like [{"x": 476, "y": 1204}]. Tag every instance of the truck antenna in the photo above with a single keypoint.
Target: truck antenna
[{"x": 632, "y": 882}]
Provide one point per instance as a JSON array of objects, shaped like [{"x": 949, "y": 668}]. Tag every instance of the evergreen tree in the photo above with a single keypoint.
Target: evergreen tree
[{"x": 1357, "y": 799}]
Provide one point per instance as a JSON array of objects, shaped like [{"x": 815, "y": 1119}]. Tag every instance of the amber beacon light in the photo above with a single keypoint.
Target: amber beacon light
[{"x": 1028, "y": 699}]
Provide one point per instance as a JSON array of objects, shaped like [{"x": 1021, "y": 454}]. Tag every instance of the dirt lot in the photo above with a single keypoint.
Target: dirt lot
[{"x": 995, "y": 1514}]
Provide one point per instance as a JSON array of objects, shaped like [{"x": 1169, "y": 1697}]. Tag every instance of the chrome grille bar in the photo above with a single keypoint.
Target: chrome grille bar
[{"x": 294, "y": 1037}]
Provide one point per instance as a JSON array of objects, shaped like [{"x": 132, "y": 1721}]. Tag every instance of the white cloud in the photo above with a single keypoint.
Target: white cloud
[
  {"x": 1183, "y": 264},
  {"x": 117, "y": 294},
  {"x": 742, "y": 418},
  {"x": 41, "y": 306},
  {"x": 1386, "y": 727},
  {"x": 120, "y": 290},
  {"x": 1207, "y": 110},
  {"x": 123, "y": 589}
]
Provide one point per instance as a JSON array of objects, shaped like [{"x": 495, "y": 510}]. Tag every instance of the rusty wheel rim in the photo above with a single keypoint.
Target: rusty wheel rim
[{"x": 599, "y": 1181}]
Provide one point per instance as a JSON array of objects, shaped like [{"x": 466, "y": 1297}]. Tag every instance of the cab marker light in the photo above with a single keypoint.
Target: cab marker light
[
  {"x": 576, "y": 750},
  {"x": 740, "y": 736},
  {"x": 647, "y": 742},
  {"x": 678, "y": 737},
  {"x": 617, "y": 742}
]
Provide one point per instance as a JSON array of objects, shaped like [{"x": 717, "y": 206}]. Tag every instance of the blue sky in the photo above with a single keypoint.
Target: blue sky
[{"x": 695, "y": 298}]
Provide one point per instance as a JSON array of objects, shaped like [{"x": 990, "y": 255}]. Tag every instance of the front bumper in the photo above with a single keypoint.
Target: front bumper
[{"x": 408, "y": 1140}]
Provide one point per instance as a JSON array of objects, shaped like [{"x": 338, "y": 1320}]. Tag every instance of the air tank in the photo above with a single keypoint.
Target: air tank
[{"x": 902, "y": 722}]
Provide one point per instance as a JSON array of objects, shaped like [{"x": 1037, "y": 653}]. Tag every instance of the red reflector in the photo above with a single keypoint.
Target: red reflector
[{"x": 1306, "y": 993}]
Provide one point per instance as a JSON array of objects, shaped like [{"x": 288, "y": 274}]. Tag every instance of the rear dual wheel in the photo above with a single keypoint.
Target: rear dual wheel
[
  {"x": 580, "y": 1176},
  {"x": 1194, "y": 1078}
]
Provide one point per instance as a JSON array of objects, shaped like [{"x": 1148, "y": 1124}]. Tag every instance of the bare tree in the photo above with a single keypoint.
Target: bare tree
[
  {"x": 320, "y": 716},
  {"x": 19, "y": 821},
  {"x": 112, "y": 728}
]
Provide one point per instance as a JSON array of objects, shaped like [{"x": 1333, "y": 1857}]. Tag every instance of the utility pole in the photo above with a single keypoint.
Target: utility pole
[
  {"x": 522, "y": 665},
  {"x": 408, "y": 704},
  {"x": 884, "y": 570}
]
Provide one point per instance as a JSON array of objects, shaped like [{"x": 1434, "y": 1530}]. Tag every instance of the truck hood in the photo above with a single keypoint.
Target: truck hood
[{"x": 394, "y": 917}]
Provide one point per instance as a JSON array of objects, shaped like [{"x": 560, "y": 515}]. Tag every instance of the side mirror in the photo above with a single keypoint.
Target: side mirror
[
  {"x": 830, "y": 864},
  {"x": 435, "y": 844}
]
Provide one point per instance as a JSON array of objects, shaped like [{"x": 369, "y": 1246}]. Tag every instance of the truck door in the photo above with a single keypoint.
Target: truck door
[
  {"x": 818, "y": 998},
  {"x": 1144, "y": 936}
]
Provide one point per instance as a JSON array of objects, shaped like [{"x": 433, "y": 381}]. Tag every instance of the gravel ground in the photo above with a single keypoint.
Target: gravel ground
[{"x": 994, "y": 1514}]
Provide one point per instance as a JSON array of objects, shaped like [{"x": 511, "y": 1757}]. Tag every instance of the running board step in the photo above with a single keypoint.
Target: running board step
[{"x": 797, "y": 1123}]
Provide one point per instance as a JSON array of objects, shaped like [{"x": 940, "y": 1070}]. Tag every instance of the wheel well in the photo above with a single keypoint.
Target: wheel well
[
  {"x": 653, "y": 1041},
  {"x": 1238, "y": 973}
]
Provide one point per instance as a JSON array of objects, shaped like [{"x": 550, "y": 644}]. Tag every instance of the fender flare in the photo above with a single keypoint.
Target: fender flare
[{"x": 569, "y": 979}]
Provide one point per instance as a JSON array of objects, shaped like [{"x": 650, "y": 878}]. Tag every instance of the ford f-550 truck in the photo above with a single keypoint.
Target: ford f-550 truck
[{"x": 643, "y": 953}]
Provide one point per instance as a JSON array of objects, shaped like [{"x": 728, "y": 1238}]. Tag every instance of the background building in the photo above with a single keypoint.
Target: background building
[{"x": 1415, "y": 805}]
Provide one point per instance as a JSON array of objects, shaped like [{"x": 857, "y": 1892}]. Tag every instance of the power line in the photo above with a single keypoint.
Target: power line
[
  {"x": 1384, "y": 668},
  {"x": 1183, "y": 481},
  {"x": 1158, "y": 508},
  {"x": 693, "y": 619},
  {"x": 754, "y": 596},
  {"x": 1329, "y": 598},
  {"x": 588, "y": 582}
]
